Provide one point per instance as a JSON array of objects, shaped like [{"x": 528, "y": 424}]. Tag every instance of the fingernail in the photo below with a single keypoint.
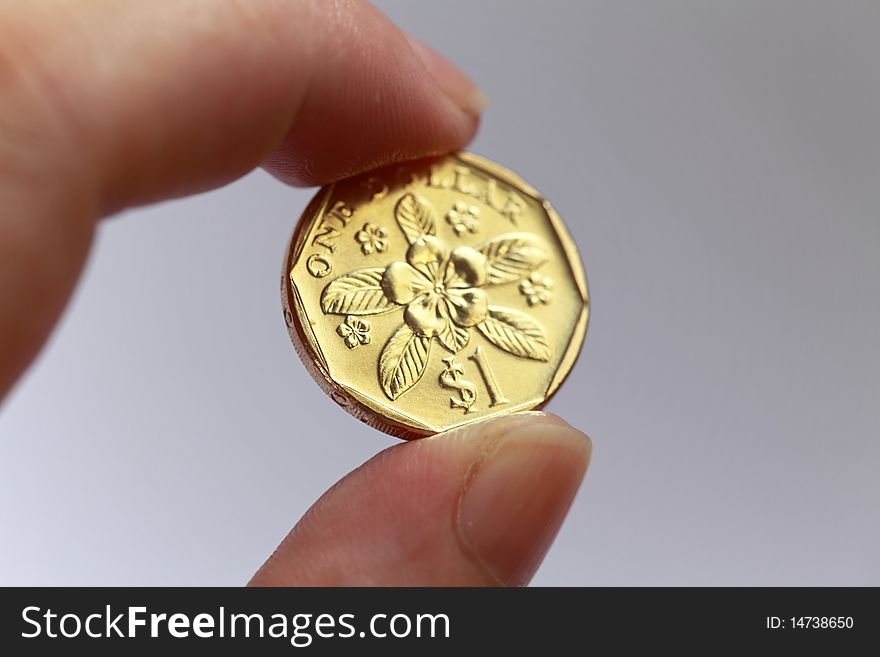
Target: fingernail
[
  {"x": 518, "y": 497},
  {"x": 455, "y": 84}
]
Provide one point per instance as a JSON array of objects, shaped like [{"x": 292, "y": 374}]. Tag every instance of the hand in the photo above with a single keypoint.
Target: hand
[{"x": 107, "y": 105}]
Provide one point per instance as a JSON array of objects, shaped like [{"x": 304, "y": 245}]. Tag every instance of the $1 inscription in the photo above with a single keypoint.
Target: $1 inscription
[{"x": 452, "y": 377}]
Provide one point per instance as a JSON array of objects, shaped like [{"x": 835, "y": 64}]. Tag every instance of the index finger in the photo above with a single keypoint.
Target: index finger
[{"x": 110, "y": 104}]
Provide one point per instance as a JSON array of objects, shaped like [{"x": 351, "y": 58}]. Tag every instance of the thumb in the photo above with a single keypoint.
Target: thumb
[{"x": 476, "y": 506}]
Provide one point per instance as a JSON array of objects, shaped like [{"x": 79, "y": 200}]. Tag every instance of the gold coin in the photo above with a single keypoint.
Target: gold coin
[{"x": 433, "y": 294}]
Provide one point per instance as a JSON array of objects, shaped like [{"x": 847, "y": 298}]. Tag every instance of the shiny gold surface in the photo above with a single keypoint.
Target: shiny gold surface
[{"x": 429, "y": 295}]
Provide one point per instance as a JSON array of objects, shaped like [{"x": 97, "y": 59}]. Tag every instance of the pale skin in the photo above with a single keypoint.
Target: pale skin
[{"x": 108, "y": 105}]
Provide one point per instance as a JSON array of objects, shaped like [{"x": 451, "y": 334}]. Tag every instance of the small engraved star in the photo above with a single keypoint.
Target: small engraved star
[
  {"x": 354, "y": 331},
  {"x": 537, "y": 289},
  {"x": 372, "y": 238},
  {"x": 463, "y": 218}
]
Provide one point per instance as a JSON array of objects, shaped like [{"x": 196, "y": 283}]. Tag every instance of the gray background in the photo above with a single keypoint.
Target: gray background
[{"x": 719, "y": 166}]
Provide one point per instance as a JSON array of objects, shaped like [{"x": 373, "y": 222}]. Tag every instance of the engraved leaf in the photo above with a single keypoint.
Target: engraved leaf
[
  {"x": 512, "y": 256},
  {"x": 356, "y": 293},
  {"x": 516, "y": 333},
  {"x": 415, "y": 217},
  {"x": 453, "y": 337},
  {"x": 402, "y": 361}
]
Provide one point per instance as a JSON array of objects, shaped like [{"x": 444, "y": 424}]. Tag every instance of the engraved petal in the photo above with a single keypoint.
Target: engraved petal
[
  {"x": 467, "y": 307},
  {"x": 358, "y": 324},
  {"x": 467, "y": 268},
  {"x": 401, "y": 283},
  {"x": 428, "y": 254},
  {"x": 422, "y": 315}
]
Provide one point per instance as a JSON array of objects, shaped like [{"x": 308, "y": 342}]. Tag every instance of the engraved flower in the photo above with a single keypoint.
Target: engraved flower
[
  {"x": 372, "y": 238},
  {"x": 441, "y": 292},
  {"x": 463, "y": 218},
  {"x": 536, "y": 289},
  {"x": 354, "y": 331},
  {"x": 440, "y": 289}
]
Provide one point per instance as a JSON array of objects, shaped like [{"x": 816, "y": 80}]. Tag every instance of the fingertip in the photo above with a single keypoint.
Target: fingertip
[
  {"x": 454, "y": 82},
  {"x": 519, "y": 495},
  {"x": 492, "y": 428},
  {"x": 479, "y": 505},
  {"x": 376, "y": 96}
]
